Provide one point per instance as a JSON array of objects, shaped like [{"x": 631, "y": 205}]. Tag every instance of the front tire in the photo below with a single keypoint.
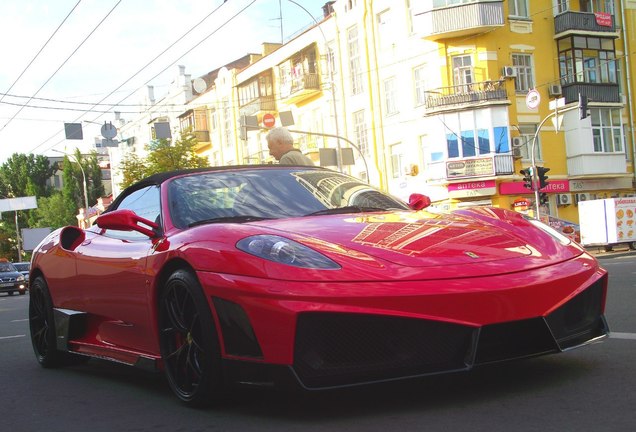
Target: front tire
[
  {"x": 42, "y": 329},
  {"x": 188, "y": 340}
]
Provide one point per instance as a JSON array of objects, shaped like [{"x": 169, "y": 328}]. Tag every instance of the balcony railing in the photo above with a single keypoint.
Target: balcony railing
[
  {"x": 584, "y": 22},
  {"x": 481, "y": 92},
  {"x": 459, "y": 20},
  {"x": 595, "y": 92},
  {"x": 478, "y": 166},
  {"x": 259, "y": 105},
  {"x": 202, "y": 136},
  {"x": 301, "y": 86}
]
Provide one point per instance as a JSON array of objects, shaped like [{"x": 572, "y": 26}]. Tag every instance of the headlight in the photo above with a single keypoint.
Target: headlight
[
  {"x": 20, "y": 278},
  {"x": 281, "y": 250}
]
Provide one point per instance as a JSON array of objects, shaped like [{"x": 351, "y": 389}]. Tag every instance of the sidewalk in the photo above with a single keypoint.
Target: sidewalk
[{"x": 617, "y": 251}]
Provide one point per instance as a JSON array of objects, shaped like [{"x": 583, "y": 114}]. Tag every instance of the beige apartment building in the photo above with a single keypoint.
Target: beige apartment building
[{"x": 442, "y": 97}]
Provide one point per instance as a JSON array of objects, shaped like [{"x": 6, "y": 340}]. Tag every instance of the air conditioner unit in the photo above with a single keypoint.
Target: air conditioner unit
[
  {"x": 555, "y": 90},
  {"x": 564, "y": 199},
  {"x": 581, "y": 197},
  {"x": 516, "y": 153},
  {"x": 509, "y": 72}
]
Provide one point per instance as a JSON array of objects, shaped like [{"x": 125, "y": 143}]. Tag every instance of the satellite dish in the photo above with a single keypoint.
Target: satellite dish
[{"x": 199, "y": 85}]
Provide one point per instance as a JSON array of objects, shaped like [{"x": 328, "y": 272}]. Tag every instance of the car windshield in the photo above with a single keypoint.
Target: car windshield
[
  {"x": 22, "y": 267},
  {"x": 7, "y": 267},
  {"x": 254, "y": 194}
]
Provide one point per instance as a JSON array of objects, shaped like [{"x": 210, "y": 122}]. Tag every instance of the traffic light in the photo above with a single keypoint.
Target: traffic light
[
  {"x": 543, "y": 179},
  {"x": 527, "y": 178},
  {"x": 582, "y": 106},
  {"x": 543, "y": 198}
]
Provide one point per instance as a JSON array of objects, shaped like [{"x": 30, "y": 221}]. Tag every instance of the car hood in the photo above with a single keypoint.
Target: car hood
[{"x": 424, "y": 239}]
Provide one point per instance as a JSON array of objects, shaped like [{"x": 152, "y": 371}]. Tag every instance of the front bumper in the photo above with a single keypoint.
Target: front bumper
[
  {"x": 331, "y": 336},
  {"x": 6, "y": 287}
]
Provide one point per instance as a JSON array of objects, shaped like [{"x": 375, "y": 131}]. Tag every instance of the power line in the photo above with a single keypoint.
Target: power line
[
  {"x": 40, "y": 51},
  {"x": 63, "y": 63},
  {"x": 133, "y": 76}
]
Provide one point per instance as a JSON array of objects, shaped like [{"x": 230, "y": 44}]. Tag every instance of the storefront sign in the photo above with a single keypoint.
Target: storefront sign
[
  {"x": 517, "y": 188},
  {"x": 470, "y": 168},
  {"x": 472, "y": 189},
  {"x": 600, "y": 184}
]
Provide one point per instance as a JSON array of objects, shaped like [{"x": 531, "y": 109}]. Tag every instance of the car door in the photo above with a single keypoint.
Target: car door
[{"x": 113, "y": 277}]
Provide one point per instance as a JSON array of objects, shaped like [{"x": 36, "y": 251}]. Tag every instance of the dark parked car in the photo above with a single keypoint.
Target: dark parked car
[
  {"x": 11, "y": 280},
  {"x": 24, "y": 268}
]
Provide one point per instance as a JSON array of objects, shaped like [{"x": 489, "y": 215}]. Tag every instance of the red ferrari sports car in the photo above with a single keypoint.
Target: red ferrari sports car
[{"x": 302, "y": 275}]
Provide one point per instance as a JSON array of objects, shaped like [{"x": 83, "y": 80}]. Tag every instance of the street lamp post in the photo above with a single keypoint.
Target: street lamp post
[{"x": 84, "y": 179}]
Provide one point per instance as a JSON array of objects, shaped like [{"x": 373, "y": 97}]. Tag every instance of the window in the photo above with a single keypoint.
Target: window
[
  {"x": 355, "y": 64},
  {"x": 397, "y": 160},
  {"x": 587, "y": 60},
  {"x": 227, "y": 118},
  {"x": 463, "y": 73},
  {"x": 523, "y": 65},
  {"x": 419, "y": 79},
  {"x": 386, "y": 34},
  {"x": 526, "y": 133},
  {"x": 360, "y": 132},
  {"x": 607, "y": 130},
  {"x": 145, "y": 203},
  {"x": 390, "y": 96},
  {"x": 518, "y": 8},
  {"x": 562, "y": 6},
  {"x": 475, "y": 133}
]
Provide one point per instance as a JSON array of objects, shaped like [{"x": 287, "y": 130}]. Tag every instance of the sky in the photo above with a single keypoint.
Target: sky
[{"x": 72, "y": 61}]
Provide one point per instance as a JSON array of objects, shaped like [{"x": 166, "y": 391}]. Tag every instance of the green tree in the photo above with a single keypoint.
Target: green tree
[
  {"x": 54, "y": 212},
  {"x": 27, "y": 175},
  {"x": 163, "y": 155}
]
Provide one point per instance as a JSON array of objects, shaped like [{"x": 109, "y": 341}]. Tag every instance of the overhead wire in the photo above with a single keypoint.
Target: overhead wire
[
  {"x": 138, "y": 72},
  {"x": 2, "y": 95},
  {"x": 63, "y": 63}
]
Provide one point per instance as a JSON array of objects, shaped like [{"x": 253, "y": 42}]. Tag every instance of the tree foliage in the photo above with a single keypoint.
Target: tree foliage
[
  {"x": 54, "y": 211},
  {"x": 163, "y": 155},
  {"x": 26, "y": 175}
]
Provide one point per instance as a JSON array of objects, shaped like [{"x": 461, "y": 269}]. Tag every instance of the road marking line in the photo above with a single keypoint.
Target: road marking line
[
  {"x": 11, "y": 337},
  {"x": 20, "y": 320},
  {"x": 615, "y": 335}
]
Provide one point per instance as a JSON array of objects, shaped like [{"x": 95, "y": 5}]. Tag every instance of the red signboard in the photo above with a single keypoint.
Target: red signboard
[
  {"x": 517, "y": 188},
  {"x": 269, "y": 120},
  {"x": 603, "y": 19}
]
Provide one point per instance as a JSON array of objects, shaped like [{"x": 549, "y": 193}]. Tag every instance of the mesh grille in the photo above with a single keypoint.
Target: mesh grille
[
  {"x": 338, "y": 349},
  {"x": 581, "y": 319}
]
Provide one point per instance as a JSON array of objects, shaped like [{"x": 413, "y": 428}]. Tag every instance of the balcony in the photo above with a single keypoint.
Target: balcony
[
  {"x": 202, "y": 136},
  {"x": 259, "y": 105},
  {"x": 571, "y": 22},
  {"x": 480, "y": 94},
  {"x": 301, "y": 87},
  {"x": 479, "y": 166},
  {"x": 595, "y": 92},
  {"x": 460, "y": 20},
  {"x": 597, "y": 164}
]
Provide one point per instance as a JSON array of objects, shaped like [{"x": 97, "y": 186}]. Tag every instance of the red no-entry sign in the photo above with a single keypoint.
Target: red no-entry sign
[{"x": 269, "y": 120}]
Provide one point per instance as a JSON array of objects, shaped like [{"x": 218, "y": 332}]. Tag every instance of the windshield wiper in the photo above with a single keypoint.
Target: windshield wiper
[
  {"x": 346, "y": 209},
  {"x": 236, "y": 219}
]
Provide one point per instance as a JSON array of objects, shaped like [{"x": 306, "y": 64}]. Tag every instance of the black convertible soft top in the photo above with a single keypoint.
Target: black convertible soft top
[{"x": 159, "y": 178}]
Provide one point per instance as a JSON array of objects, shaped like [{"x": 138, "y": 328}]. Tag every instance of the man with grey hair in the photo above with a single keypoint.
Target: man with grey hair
[{"x": 281, "y": 145}]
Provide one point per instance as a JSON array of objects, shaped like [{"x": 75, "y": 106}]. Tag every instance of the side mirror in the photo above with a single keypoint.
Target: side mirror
[
  {"x": 419, "y": 201},
  {"x": 126, "y": 220}
]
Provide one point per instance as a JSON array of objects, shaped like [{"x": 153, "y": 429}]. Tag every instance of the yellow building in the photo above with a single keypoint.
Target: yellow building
[{"x": 442, "y": 97}]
